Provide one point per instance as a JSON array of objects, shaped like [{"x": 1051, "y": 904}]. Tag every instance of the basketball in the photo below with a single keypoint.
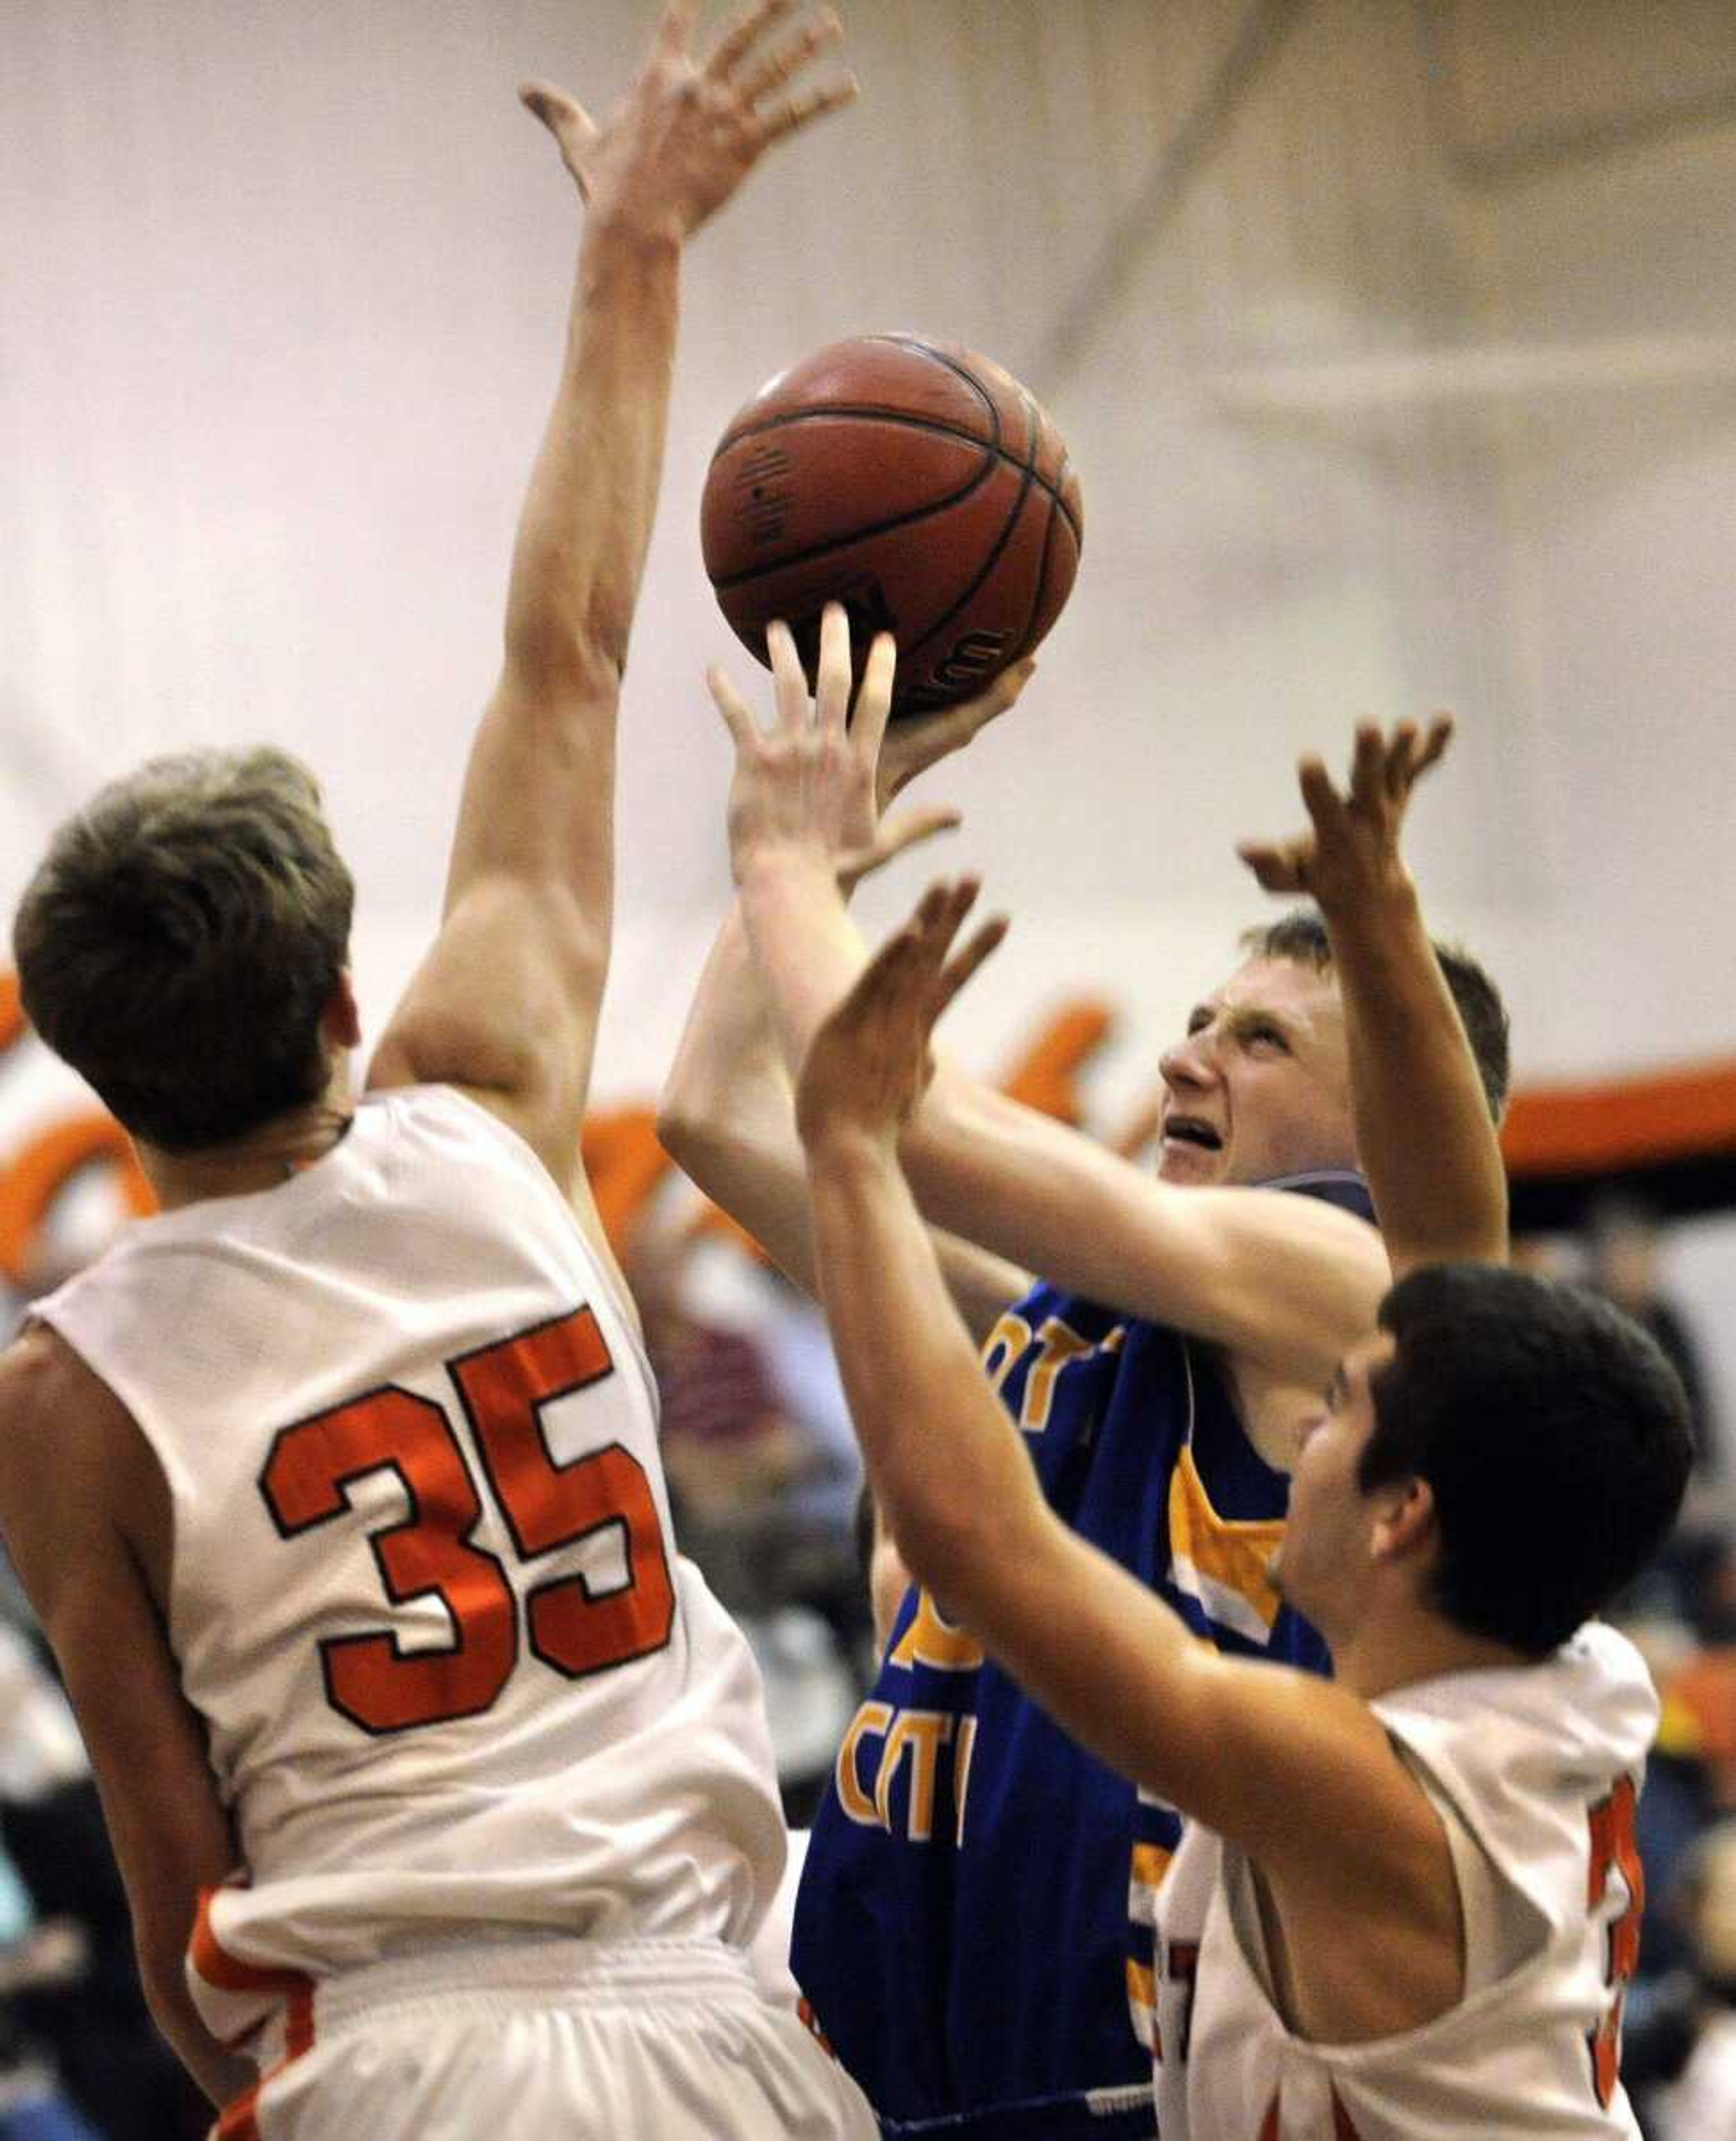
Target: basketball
[{"x": 917, "y": 484}]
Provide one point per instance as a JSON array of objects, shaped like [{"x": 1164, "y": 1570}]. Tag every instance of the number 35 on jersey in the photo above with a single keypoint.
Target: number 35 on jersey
[{"x": 501, "y": 1389}]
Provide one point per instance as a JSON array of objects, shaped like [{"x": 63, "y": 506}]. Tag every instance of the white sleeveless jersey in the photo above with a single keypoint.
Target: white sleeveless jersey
[
  {"x": 1535, "y": 1770},
  {"x": 425, "y": 1592}
]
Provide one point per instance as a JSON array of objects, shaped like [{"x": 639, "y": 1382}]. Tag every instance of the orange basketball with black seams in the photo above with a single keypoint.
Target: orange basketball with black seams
[{"x": 917, "y": 483}]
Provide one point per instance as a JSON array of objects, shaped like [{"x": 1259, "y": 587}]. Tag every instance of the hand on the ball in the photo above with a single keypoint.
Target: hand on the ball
[
  {"x": 919, "y": 741},
  {"x": 869, "y": 1062},
  {"x": 686, "y": 135},
  {"x": 807, "y": 782},
  {"x": 1350, "y": 854}
]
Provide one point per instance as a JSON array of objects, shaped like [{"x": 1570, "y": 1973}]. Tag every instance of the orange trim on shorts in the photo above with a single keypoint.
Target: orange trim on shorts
[
  {"x": 238, "y": 2121},
  {"x": 810, "y": 2022}
]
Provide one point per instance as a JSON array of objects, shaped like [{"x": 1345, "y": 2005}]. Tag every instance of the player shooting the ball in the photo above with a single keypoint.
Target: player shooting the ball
[
  {"x": 1163, "y": 1369},
  {"x": 1409, "y": 1900}
]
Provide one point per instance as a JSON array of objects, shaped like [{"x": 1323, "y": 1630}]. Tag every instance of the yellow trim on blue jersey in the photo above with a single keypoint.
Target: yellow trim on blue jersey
[
  {"x": 933, "y": 1640},
  {"x": 1219, "y": 1562}
]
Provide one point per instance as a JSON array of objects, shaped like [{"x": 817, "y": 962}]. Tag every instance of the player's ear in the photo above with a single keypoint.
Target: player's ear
[
  {"x": 339, "y": 1022},
  {"x": 1403, "y": 1520}
]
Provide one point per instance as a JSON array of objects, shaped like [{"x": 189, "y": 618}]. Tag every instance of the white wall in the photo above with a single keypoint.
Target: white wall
[{"x": 281, "y": 292}]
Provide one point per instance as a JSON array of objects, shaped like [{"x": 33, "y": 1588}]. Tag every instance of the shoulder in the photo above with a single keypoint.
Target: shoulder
[
  {"x": 43, "y": 1381},
  {"x": 68, "y": 1461}
]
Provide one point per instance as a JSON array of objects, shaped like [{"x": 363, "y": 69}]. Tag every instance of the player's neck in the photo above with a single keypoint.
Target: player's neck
[
  {"x": 263, "y": 1159},
  {"x": 1393, "y": 1649}
]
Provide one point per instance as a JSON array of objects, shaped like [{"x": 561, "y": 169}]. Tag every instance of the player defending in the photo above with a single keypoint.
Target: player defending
[
  {"x": 1163, "y": 1374},
  {"x": 337, "y": 1485},
  {"x": 1407, "y": 1903}
]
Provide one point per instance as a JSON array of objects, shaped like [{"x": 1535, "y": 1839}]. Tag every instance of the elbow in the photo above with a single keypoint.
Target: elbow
[
  {"x": 954, "y": 1538},
  {"x": 562, "y": 658},
  {"x": 686, "y": 1132},
  {"x": 163, "y": 1980}
]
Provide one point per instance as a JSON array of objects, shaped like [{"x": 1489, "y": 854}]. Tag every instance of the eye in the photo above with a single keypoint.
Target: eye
[
  {"x": 1197, "y": 1021},
  {"x": 1263, "y": 1036}
]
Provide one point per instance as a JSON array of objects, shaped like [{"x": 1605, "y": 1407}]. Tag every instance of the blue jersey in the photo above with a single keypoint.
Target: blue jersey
[{"x": 974, "y": 1932}]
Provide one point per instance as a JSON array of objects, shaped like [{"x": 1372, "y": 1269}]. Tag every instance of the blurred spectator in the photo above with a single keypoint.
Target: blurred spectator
[
  {"x": 729, "y": 1448},
  {"x": 33, "y": 1958},
  {"x": 1623, "y": 1243},
  {"x": 77, "y": 1991},
  {"x": 752, "y": 1484},
  {"x": 1687, "y": 2052}
]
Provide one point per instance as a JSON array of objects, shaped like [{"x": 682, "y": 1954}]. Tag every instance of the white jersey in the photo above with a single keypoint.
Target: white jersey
[
  {"x": 425, "y": 1592},
  {"x": 1535, "y": 1770}
]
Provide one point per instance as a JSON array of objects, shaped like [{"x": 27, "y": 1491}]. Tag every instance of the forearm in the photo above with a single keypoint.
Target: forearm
[
  {"x": 938, "y": 1446},
  {"x": 586, "y": 524},
  {"x": 806, "y": 949},
  {"x": 954, "y": 1485},
  {"x": 727, "y": 1119},
  {"x": 1428, "y": 1142},
  {"x": 1287, "y": 1281},
  {"x": 221, "y": 2074}
]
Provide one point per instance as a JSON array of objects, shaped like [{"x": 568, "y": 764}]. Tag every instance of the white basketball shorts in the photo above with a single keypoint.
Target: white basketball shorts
[{"x": 648, "y": 2040}]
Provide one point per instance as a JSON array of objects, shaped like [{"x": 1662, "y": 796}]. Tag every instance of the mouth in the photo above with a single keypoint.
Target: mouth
[{"x": 1190, "y": 1130}]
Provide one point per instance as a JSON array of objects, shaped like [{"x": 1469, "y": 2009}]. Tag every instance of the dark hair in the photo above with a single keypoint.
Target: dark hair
[
  {"x": 1553, "y": 1431},
  {"x": 181, "y": 940},
  {"x": 1300, "y": 937}
]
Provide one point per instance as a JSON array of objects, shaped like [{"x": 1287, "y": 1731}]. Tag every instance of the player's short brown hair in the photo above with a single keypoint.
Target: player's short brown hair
[
  {"x": 181, "y": 938},
  {"x": 1299, "y": 936}
]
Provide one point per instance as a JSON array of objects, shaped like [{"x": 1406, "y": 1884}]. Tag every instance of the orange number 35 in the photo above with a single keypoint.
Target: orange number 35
[{"x": 503, "y": 1389}]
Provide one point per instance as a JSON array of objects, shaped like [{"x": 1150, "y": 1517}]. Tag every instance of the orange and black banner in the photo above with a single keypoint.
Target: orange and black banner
[{"x": 1667, "y": 1138}]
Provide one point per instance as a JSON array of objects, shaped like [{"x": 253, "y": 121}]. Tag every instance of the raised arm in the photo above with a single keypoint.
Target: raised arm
[
  {"x": 727, "y": 1115},
  {"x": 506, "y": 1003},
  {"x": 1298, "y": 1771},
  {"x": 1286, "y": 1282},
  {"x": 1425, "y": 1125}
]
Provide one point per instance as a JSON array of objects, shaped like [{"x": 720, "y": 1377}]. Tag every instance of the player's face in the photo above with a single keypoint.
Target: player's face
[
  {"x": 1260, "y": 1086},
  {"x": 1326, "y": 1546}
]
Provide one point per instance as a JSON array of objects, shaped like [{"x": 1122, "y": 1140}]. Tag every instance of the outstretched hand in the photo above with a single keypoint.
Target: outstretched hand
[
  {"x": 686, "y": 135},
  {"x": 818, "y": 778},
  {"x": 1350, "y": 852},
  {"x": 869, "y": 1062}
]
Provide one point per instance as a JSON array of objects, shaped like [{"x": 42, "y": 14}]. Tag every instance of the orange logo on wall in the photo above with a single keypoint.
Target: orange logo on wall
[
  {"x": 33, "y": 1180},
  {"x": 623, "y": 1159}
]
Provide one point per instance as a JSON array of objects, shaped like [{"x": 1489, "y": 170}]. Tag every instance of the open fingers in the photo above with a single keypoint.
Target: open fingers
[
  {"x": 737, "y": 719},
  {"x": 790, "y": 687},
  {"x": 911, "y": 828},
  {"x": 981, "y": 944},
  {"x": 797, "y": 111},
  {"x": 1277, "y": 865},
  {"x": 873, "y": 701},
  {"x": 742, "y": 31},
  {"x": 939, "y": 913},
  {"x": 1433, "y": 747},
  {"x": 777, "y": 68},
  {"x": 673, "y": 36},
  {"x": 1368, "y": 767},
  {"x": 1400, "y": 767},
  {"x": 832, "y": 683},
  {"x": 566, "y": 119},
  {"x": 1325, "y": 805}
]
